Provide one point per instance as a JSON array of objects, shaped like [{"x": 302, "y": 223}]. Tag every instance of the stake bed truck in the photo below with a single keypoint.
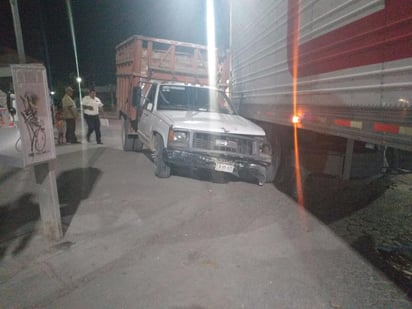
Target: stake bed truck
[{"x": 167, "y": 105}]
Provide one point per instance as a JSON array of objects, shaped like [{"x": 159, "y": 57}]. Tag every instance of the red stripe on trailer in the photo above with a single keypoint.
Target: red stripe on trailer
[
  {"x": 379, "y": 37},
  {"x": 387, "y": 128},
  {"x": 342, "y": 122}
]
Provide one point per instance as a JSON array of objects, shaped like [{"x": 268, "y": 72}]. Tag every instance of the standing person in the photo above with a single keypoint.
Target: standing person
[
  {"x": 70, "y": 115},
  {"x": 92, "y": 106}
]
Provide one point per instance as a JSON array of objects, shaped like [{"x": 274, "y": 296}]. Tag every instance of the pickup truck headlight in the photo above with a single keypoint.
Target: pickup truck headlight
[{"x": 178, "y": 138}]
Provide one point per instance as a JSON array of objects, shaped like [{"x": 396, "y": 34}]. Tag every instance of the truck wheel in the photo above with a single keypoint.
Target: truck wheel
[
  {"x": 273, "y": 168},
  {"x": 162, "y": 169},
  {"x": 129, "y": 143}
]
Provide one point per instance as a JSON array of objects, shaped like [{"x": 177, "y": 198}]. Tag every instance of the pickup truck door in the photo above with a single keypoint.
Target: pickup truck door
[{"x": 145, "y": 122}]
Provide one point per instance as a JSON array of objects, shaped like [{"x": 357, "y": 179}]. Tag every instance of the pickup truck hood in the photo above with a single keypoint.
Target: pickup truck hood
[{"x": 212, "y": 122}]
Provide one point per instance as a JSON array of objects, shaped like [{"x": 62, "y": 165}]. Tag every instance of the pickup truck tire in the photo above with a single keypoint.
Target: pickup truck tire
[
  {"x": 129, "y": 143},
  {"x": 162, "y": 170}
]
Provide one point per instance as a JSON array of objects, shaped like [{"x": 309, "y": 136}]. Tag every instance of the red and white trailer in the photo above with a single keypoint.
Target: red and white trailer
[{"x": 338, "y": 71}]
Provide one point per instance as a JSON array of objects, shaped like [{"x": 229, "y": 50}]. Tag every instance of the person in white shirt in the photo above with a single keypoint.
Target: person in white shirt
[{"x": 91, "y": 108}]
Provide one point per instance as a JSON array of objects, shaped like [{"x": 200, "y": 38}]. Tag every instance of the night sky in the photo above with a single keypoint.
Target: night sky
[{"x": 100, "y": 25}]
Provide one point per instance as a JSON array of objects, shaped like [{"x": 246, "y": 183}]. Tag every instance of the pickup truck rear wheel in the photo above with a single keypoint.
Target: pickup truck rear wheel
[
  {"x": 129, "y": 143},
  {"x": 162, "y": 170}
]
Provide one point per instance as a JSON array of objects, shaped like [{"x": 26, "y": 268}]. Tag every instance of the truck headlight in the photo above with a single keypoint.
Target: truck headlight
[{"x": 178, "y": 138}]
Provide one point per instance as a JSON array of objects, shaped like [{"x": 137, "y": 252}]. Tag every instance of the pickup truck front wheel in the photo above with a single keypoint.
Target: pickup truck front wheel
[{"x": 162, "y": 170}]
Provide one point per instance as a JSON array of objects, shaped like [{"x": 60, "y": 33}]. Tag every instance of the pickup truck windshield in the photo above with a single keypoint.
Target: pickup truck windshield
[{"x": 185, "y": 98}]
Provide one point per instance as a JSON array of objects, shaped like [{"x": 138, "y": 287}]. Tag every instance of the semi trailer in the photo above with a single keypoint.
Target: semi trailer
[{"x": 330, "y": 81}]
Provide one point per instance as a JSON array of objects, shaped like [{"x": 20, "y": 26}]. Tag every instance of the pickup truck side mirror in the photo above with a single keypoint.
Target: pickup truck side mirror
[{"x": 137, "y": 94}]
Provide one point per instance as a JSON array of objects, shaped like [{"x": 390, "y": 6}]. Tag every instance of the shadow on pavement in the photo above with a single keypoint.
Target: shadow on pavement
[
  {"x": 9, "y": 173},
  {"x": 74, "y": 186},
  {"x": 205, "y": 175},
  {"x": 17, "y": 222},
  {"x": 19, "y": 218},
  {"x": 331, "y": 199}
]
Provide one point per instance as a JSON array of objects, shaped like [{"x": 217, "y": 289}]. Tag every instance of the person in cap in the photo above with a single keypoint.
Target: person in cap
[
  {"x": 70, "y": 115},
  {"x": 92, "y": 106}
]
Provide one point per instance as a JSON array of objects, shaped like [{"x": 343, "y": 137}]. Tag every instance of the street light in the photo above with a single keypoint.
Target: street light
[
  {"x": 79, "y": 81},
  {"x": 52, "y": 93}
]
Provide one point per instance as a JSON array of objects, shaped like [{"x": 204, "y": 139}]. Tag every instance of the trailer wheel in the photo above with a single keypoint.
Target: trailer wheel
[
  {"x": 273, "y": 168},
  {"x": 129, "y": 143},
  {"x": 162, "y": 170}
]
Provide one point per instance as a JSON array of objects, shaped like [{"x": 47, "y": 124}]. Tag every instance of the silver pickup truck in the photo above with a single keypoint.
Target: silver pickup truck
[{"x": 196, "y": 127}]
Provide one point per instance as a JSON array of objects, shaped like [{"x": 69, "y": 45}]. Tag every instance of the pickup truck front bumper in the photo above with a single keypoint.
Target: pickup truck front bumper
[{"x": 244, "y": 168}]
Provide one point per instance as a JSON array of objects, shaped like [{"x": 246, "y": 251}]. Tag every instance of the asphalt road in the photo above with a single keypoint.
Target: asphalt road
[{"x": 136, "y": 241}]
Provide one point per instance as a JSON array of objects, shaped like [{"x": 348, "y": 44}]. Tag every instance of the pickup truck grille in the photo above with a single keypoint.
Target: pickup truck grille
[{"x": 226, "y": 143}]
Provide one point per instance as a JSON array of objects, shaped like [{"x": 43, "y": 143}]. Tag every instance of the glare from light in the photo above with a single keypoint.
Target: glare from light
[
  {"x": 78, "y": 79},
  {"x": 295, "y": 119},
  {"x": 211, "y": 44},
  {"x": 52, "y": 93},
  {"x": 295, "y": 59}
]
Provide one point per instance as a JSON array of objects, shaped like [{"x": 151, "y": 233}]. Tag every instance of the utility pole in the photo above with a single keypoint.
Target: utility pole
[{"x": 17, "y": 30}]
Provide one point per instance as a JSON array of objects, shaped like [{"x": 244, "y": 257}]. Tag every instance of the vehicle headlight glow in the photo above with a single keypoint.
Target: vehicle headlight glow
[{"x": 178, "y": 138}]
